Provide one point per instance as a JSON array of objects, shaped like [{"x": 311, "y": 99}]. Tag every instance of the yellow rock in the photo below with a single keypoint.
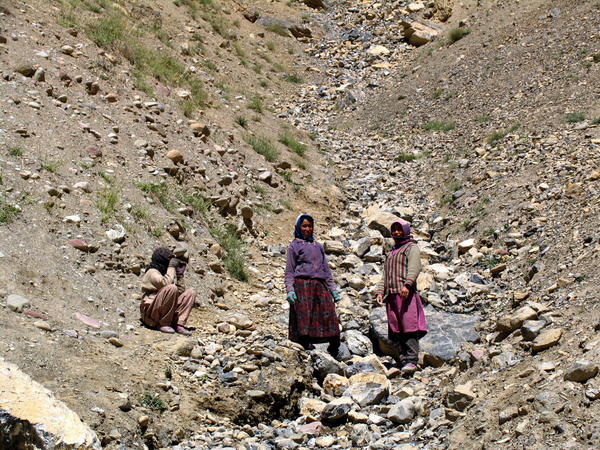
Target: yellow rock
[{"x": 36, "y": 416}]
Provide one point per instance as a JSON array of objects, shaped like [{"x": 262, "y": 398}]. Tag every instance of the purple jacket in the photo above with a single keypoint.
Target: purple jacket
[{"x": 307, "y": 260}]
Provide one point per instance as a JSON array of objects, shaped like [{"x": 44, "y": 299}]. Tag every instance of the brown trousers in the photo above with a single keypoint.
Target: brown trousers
[{"x": 167, "y": 307}]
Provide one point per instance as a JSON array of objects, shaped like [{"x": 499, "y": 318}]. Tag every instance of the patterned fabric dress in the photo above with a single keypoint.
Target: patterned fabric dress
[{"x": 313, "y": 313}]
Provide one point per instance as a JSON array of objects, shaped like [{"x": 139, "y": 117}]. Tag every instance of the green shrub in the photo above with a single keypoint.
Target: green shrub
[
  {"x": 293, "y": 78},
  {"x": 8, "y": 212},
  {"x": 199, "y": 202},
  {"x": 107, "y": 201},
  {"x": 235, "y": 261},
  {"x": 262, "y": 146},
  {"x": 575, "y": 117},
  {"x": 107, "y": 30},
  {"x": 256, "y": 104},
  {"x": 438, "y": 93},
  {"x": 293, "y": 143},
  {"x": 242, "y": 121},
  {"x": 596, "y": 121},
  {"x": 278, "y": 29},
  {"x": 456, "y": 34},
  {"x": 437, "y": 125},
  {"x": 302, "y": 164},
  {"x": 483, "y": 119},
  {"x": 271, "y": 46},
  {"x": 405, "y": 157},
  {"x": 286, "y": 175},
  {"x": 15, "y": 151},
  {"x": 152, "y": 401},
  {"x": 51, "y": 165},
  {"x": 238, "y": 49},
  {"x": 286, "y": 203}
]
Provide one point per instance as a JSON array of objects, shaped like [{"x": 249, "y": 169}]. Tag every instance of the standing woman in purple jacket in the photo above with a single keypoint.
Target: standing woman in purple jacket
[{"x": 311, "y": 292}]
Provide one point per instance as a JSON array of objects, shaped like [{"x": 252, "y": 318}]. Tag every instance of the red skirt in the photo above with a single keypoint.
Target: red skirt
[{"x": 313, "y": 313}]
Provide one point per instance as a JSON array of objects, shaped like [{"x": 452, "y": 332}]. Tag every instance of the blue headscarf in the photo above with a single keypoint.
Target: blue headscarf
[{"x": 298, "y": 230}]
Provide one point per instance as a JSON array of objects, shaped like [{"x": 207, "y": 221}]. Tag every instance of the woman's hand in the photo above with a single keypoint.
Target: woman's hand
[
  {"x": 404, "y": 293},
  {"x": 379, "y": 300},
  {"x": 291, "y": 297}
]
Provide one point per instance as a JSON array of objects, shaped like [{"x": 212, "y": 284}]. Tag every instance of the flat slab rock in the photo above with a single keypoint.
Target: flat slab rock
[
  {"x": 31, "y": 416},
  {"x": 446, "y": 331}
]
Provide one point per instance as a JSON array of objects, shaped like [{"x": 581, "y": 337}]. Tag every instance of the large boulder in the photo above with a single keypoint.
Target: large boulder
[
  {"x": 446, "y": 332},
  {"x": 381, "y": 221},
  {"x": 31, "y": 417}
]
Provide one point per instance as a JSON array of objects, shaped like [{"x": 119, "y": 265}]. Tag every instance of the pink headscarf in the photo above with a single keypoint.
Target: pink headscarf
[{"x": 406, "y": 236}]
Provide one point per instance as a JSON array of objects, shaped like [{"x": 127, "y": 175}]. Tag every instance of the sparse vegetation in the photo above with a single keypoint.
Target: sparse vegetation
[
  {"x": 456, "y": 34},
  {"x": 262, "y": 146},
  {"x": 438, "y": 93},
  {"x": 302, "y": 164},
  {"x": 286, "y": 175},
  {"x": 286, "y": 204},
  {"x": 235, "y": 261},
  {"x": 108, "y": 198},
  {"x": 241, "y": 121},
  {"x": 293, "y": 78},
  {"x": 278, "y": 29},
  {"x": 294, "y": 144},
  {"x": 51, "y": 165},
  {"x": 8, "y": 212},
  {"x": 438, "y": 125},
  {"x": 15, "y": 151},
  {"x": 152, "y": 401},
  {"x": 483, "y": 119},
  {"x": 405, "y": 157},
  {"x": 256, "y": 104},
  {"x": 575, "y": 117},
  {"x": 199, "y": 202},
  {"x": 271, "y": 46},
  {"x": 497, "y": 136}
]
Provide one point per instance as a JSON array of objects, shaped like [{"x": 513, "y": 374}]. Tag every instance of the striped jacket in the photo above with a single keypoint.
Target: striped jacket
[{"x": 401, "y": 268}]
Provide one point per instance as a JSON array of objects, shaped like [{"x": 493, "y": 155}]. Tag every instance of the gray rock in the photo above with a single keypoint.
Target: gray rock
[
  {"x": 446, "y": 332},
  {"x": 266, "y": 177},
  {"x": 323, "y": 364},
  {"x": 366, "y": 394},
  {"x": 532, "y": 328},
  {"x": 362, "y": 246},
  {"x": 402, "y": 412},
  {"x": 360, "y": 435},
  {"x": 358, "y": 343},
  {"x": 360, "y": 367},
  {"x": 581, "y": 370},
  {"x": 337, "y": 409},
  {"x": 17, "y": 303}
]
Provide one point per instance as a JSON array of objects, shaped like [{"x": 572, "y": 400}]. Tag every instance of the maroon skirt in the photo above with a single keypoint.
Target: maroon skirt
[{"x": 313, "y": 313}]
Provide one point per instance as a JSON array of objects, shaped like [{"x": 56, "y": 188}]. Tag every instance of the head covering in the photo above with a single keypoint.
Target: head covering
[
  {"x": 298, "y": 230},
  {"x": 161, "y": 256},
  {"x": 406, "y": 236}
]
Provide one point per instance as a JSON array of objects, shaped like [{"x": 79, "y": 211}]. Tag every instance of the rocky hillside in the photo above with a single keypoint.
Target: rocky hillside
[{"x": 126, "y": 126}]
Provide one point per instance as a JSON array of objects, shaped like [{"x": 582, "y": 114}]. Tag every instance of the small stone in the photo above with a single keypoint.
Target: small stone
[
  {"x": 532, "y": 328},
  {"x": 85, "y": 186},
  {"x": 111, "y": 98},
  {"x": 67, "y": 50},
  {"x": 247, "y": 212},
  {"x": 581, "y": 371},
  {"x": 256, "y": 394},
  {"x": 40, "y": 75},
  {"x": 176, "y": 156},
  {"x": 546, "y": 340},
  {"x": 42, "y": 325},
  {"x": 17, "y": 303},
  {"x": 200, "y": 129},
  {"x": 402, "y": 412},
  {"x": 115, "y": 341},
  {"x": 143, "y": 421},
  {"x": 266, "y": 177}
]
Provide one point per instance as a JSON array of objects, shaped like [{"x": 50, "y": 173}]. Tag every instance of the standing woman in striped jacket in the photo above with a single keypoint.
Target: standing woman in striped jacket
[{"x": 398, "y": 287}]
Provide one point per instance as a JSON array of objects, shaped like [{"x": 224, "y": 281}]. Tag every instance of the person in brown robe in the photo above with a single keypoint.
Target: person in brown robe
[{"x": 166, "y": 304}]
